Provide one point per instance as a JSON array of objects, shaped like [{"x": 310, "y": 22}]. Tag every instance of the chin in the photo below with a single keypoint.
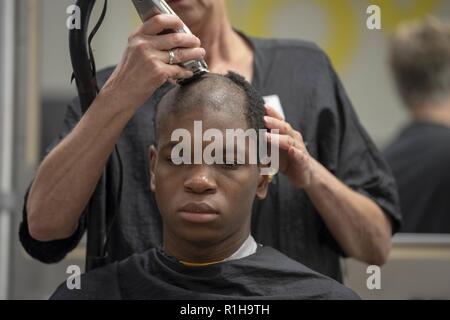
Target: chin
[{"x": 201, "y": 238}]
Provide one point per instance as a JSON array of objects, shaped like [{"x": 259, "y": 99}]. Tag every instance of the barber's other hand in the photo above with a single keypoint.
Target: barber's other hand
[
  {"x": 145, "y": 63},
  {"x": 295, "y": 161}
]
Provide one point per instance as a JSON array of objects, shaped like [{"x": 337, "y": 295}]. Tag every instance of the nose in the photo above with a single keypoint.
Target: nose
[{"x": 200, "y": 180}]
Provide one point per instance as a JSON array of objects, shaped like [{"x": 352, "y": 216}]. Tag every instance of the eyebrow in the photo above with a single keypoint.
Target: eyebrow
[
  {"x": 170, "y": 144},
  {"x": 225, "y": 149}
]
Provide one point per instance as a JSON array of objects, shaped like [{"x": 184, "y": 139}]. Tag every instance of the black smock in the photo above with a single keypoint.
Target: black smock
[
  {"x": 153, "y": 275},
  {"x": 315, "y": 104},
  {"x": 420, "y": 161}
]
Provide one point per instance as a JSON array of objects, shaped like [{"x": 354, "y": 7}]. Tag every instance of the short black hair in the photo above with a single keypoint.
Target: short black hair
[{"x": 233, "y": 85}]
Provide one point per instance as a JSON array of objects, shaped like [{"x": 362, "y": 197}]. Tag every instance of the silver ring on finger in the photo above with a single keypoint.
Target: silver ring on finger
[{"x": 171, "y": 57}]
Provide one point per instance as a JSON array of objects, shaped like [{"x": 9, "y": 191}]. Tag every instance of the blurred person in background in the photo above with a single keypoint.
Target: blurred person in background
[{"x": 420, "y": 155}]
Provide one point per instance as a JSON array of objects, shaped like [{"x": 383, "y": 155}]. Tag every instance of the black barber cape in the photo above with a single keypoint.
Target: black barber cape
[{"x": 153, "y": 275}]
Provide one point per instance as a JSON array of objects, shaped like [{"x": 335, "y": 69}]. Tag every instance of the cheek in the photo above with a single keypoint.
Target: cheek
[
  {"x": 166, "y": 182},
  {"x": 240, "y": 190}
]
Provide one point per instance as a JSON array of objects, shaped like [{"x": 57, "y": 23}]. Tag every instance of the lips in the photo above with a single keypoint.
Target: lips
[
  {"x": 198, "y": 208},
  {"x": 198, "y": 212}
]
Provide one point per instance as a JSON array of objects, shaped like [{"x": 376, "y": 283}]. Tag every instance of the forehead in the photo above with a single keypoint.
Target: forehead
[
  {"x": 215, "y": 100},
  {"x": 228, "y": 117}
]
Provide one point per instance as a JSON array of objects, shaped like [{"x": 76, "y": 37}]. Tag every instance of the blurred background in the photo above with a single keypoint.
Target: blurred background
[{"x": 35, "y": 87}]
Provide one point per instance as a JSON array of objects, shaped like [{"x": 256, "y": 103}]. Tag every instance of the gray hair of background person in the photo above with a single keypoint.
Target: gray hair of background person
[{"x": 420, "y": 61}]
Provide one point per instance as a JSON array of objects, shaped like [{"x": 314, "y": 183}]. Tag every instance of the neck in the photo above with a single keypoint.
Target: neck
[
  {"x": 202, "y": 253},
  {"x": 225, "y": 49},
  {"x": 439, "y": 114}
]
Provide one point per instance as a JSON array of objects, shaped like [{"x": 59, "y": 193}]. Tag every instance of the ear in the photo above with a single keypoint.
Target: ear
[
  {"x": 263, "y": 187},
  {"x": 152, "y": 155}
]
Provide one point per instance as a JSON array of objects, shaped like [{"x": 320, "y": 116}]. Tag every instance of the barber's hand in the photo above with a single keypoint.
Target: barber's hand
[
  {"x": 295, "y": 161},
  {"x": 145, "y": 64}
]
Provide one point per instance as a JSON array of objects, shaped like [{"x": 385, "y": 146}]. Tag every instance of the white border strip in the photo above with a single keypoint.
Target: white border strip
[{"x": 7, "y": 27}]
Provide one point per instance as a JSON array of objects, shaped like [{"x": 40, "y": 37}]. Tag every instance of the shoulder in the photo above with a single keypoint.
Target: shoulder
[
  {"x": 288, "y": 45},
  {"x": 307, "y": 283},
  {"x": 441, "y": 136},
  {"x": 287, "y": 64},
  {"x": 432, "y": 138},
  {"x": 439, "y": 152},
  {"x": 98, "y": 284},
  {"x": 300, "y": 50}
]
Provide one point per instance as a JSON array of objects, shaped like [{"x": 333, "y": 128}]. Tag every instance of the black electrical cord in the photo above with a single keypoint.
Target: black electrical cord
[
  {"x": 81, "y": 61},
  {"x": 118, "y": 201},
  {"x": 84, "y": 67},
  {"x": 92, "y": 35},
  {"x": 118, "y": 196}
]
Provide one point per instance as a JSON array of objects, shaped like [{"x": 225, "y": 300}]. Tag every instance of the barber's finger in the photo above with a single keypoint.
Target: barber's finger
[
  {"x": 177, "y": 72},
  {"x": 281, "y": 125},
  {"x": 297, "y": 156},
  {"x": 161, "y": 22},
  {"x": 182, "y": 55},
  {"x": 271, "y": 112},
  {"x": 175, "y": 40},
  {"x": 172, "y": 81},
  {"x": 285, "y": 142}
]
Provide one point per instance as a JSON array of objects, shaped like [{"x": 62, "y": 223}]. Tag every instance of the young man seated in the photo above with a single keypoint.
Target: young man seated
[{"x": 208, "y": 251}]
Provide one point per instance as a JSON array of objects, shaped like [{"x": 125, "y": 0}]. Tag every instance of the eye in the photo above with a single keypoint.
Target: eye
[
  {"x": 172, "y": 161},
  {"x": 231, "y": 165}
]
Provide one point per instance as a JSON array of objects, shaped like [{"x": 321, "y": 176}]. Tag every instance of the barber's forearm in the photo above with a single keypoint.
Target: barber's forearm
[
  {"x": 68, "y": 176},
  {"x": 356, "y": 222}
]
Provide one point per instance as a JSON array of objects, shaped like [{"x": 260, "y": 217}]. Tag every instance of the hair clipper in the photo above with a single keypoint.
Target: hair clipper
[{"x": 150, "y": 8}]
